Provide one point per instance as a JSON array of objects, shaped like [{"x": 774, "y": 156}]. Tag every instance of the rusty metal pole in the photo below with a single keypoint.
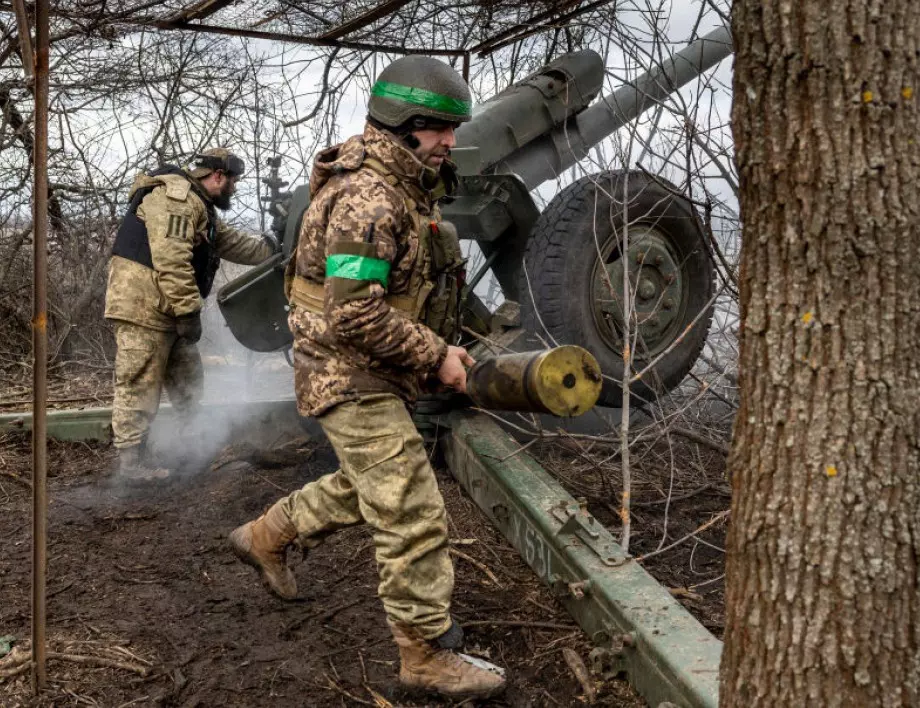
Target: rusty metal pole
[{"x": 40, "y": 346}]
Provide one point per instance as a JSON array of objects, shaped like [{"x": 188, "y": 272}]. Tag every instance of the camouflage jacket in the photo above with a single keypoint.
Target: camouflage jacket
[
  {"x": 176, "y": 219},
  {"x": 360, "y": 344}
]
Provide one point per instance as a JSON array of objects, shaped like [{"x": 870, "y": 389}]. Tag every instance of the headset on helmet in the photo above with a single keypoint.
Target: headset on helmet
[{"x": 220, "y": 159}]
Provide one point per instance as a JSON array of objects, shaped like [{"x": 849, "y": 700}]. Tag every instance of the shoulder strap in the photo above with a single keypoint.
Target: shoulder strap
[
  {"x": 391, "y": 179},
  {"x": 381, "y": 169}
]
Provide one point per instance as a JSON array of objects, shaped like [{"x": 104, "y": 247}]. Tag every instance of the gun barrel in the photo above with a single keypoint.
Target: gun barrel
[
  {"x": 565, "y": 381},
  {"x": 547, "y": 157},
  {"x": 533, "y": 106}
]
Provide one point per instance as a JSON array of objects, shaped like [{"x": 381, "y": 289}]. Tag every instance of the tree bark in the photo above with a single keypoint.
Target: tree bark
[{"x": 822, "y": 601}]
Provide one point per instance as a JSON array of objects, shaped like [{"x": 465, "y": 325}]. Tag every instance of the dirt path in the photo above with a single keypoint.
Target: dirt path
[{"x": 144, "y": 579}]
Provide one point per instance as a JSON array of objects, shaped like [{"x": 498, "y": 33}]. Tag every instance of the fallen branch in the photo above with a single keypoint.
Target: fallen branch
[
  {"x": 17, "y": 663},
  {"x": 478, "y": 564},
  {"x": 581, "y": 673}
]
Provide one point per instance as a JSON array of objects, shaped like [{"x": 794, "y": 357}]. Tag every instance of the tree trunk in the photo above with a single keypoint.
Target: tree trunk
[{"x": 823, "y": 605}]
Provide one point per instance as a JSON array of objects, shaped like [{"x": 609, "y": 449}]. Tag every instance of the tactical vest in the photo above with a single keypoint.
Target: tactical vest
[
  {"x": 432, "y": 296},
  {"x": 133, "y": 243}
]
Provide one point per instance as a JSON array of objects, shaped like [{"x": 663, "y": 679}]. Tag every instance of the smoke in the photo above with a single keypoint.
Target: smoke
[{"x": 248, "y": 401}]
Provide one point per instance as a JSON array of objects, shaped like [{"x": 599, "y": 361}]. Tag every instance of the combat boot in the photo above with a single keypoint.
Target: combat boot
[
  {"x": 425, "y": 666},
  {"x": 263, "y": 545},
  {"x": 134, "y": 468}
]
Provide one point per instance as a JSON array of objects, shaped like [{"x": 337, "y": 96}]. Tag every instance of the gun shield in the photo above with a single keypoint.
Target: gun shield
[{"x": 564, "y": 381}]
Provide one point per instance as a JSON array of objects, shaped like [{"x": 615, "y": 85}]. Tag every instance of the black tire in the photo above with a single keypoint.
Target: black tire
[{"x": 568, "y": 288}]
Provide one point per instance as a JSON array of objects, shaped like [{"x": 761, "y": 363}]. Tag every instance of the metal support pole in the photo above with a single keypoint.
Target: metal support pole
[{"x": 40, "y": 346}]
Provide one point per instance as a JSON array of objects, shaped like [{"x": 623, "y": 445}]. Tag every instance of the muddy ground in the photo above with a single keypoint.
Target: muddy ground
[{"x": 146, "y": 606}]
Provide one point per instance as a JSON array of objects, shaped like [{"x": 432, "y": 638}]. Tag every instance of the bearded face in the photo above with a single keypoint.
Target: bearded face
[
  {"x": 434, "y": 144},
  {"x": 222, "y": 199}
]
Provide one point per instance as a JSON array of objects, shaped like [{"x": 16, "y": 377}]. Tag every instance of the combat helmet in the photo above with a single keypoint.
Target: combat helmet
[
  {"x": 417, "y": 86},
  {"x": 217, "y": 159}
]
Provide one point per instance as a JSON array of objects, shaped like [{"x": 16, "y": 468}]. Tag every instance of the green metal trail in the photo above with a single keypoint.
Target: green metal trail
[{"x": 636, "y": 625}]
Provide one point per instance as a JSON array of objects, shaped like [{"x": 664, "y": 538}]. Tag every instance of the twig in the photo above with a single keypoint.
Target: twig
[
  {"x": 98, "y": 661},
  {"x": 581, "y": 673},
  {"x": 485, "y": 340},
  {"x": 521, "y": 449},
  {"x": 718, "y": 517},
  {"x": 682, "y": 497},
  {"x": 706, "y": 582},
  {"x": 701, "y": 439},
  {"x": 628, "y": 354},
  {"x": 268, "y": 481},
  {"x": 478, "y": 564},
  {"x": 676, "y": 341},
  {"x": 333, "y": 686},
  {"x": 321, "y": 617},
  {"x": 533, "y": 301},
  {"x": 132, "y": 655},
  {"x": 379, "y": 700}
]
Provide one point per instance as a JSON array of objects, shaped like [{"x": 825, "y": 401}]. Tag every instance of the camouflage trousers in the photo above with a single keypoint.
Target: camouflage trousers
[
  {"x": 145, "y": 361},
  {"x": 386, "y": 481}
]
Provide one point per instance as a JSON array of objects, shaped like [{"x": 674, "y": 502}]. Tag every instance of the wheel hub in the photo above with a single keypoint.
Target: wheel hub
[{"x": 656, "y": 287}]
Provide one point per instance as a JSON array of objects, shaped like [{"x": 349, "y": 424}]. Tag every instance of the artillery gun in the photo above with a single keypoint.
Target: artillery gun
[{"x": 565, "y": 266}]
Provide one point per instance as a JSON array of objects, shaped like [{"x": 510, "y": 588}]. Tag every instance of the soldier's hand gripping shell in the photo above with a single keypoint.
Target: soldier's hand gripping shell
[
  {"x": 189, "y": 326},
  {"x": 453, "y": 369}
]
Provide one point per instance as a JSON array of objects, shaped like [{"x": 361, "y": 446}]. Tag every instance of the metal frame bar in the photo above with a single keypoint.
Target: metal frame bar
[
  {"x": 292, "y": 38},
  {"x": 40, "y": 347}
]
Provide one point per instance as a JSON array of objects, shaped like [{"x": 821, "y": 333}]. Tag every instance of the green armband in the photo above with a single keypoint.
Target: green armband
[{"x": 343, "y": 265}]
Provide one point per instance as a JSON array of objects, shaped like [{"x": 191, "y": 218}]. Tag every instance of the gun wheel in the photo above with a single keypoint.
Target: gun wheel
[{"x": 598, "y": 230}]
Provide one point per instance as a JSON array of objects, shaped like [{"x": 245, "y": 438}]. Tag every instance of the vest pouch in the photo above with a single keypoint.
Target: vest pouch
[
  {"x": 446, "y": 255},
  {"x": 443, "y": 312}
]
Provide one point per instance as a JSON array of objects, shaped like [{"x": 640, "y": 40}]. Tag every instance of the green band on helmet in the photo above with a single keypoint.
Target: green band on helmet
[
  {"x": 341, "y": 265},
  {"x": 421, "y": 97}
]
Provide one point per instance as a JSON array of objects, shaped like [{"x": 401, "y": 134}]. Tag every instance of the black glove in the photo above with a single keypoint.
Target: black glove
[
  {"x": 189, "y": 326},
  {"x": 272, "y": 242}
]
